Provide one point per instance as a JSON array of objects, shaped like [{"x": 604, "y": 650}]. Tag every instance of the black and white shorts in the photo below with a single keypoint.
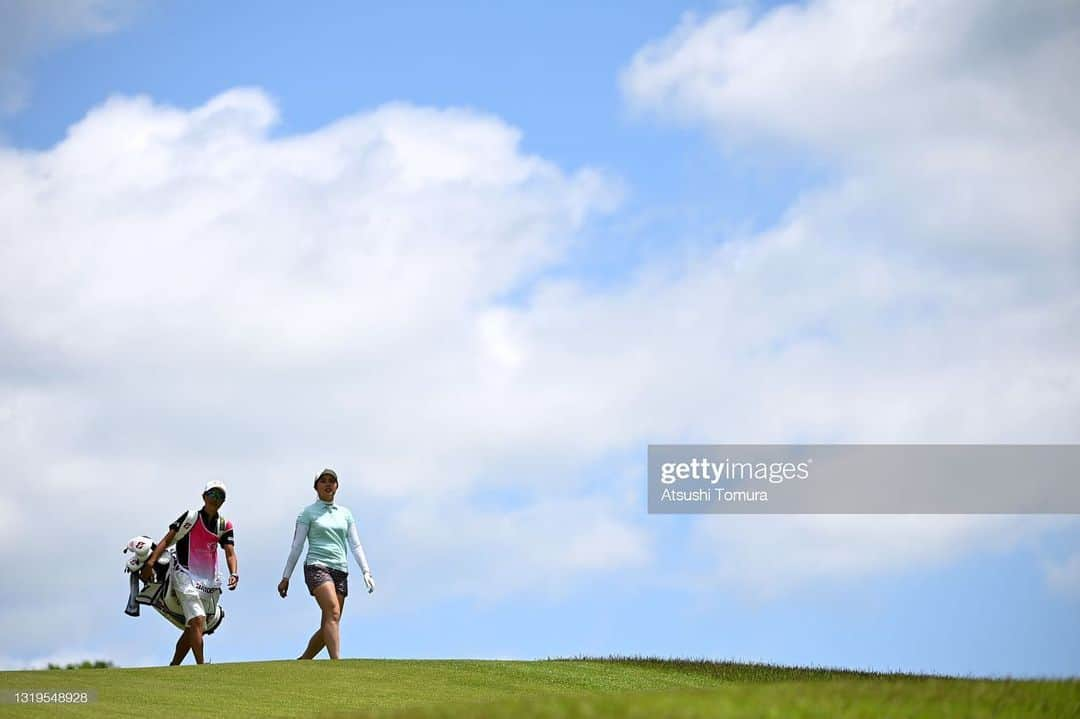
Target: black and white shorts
[{"x": 315, "y": 575}]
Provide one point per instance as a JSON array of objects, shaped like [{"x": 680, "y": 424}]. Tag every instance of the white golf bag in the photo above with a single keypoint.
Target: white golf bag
[{"x": 158, "y": 593}]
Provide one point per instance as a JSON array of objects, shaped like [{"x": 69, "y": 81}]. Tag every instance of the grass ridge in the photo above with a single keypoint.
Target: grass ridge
[
  {"x": 749, "y": 670},
  {"x": 554, "y": 688}
]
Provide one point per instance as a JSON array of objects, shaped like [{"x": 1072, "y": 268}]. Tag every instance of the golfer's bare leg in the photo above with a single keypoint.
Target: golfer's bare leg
[
  {"x": 194, "y": 632},
  {"x": 182, "y": 648},
  {"x": 330, "y": 604},
  {"x": 314, "y": 645}
]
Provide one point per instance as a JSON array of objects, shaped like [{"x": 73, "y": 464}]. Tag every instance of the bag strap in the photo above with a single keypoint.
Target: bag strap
[{"x": 190, "y": 518}]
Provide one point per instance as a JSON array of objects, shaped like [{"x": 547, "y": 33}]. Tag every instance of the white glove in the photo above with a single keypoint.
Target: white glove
[{"x": 369, "y": 581}]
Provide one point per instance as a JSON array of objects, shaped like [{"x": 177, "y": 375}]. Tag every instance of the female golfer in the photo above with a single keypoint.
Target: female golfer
[{"x": 327, "y": 527}]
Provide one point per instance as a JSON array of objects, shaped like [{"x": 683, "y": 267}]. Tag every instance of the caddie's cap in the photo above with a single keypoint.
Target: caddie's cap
[{"x": 214, "y": 484}]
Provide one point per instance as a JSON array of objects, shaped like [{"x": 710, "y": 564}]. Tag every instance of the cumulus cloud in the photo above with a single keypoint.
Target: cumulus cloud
[
  {"x": 766, "y": 557},
  {"x": 545, "y": 548},
  {"x": 184, "y": 298},
  {"x": 29, "y": 28},
  {"x": 929, "y": 290},
  {"x": 969, "y": 96}
]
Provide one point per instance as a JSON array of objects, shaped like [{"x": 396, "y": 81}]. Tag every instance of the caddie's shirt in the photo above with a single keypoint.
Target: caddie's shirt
[{"x": 197, "y": 550}]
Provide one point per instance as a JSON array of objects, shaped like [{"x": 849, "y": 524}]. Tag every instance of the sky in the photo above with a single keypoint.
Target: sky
[{"x": 477, "y": 258}]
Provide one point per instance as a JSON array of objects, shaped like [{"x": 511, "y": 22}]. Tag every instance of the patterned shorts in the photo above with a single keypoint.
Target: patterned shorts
[{"x": 315, "y": 575}]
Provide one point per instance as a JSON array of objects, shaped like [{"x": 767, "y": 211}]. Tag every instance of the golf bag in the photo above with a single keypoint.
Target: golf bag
[{"x": 158, "y": 593}]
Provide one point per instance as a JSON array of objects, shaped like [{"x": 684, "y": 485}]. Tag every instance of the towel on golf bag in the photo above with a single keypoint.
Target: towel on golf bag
[
  {"x": 132, "y": 608},
  {"x": 158, "y": 594}
]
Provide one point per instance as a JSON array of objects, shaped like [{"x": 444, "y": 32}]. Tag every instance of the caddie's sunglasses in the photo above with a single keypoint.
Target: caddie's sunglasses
[{"x": 216, "y": 494}]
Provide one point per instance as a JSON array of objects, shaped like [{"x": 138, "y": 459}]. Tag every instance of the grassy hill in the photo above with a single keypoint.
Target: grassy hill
[{"x": 556, "y": 688}]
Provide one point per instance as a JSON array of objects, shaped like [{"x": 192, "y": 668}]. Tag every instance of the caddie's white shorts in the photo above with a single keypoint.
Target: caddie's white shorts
[{"x": 195, "y": 597}]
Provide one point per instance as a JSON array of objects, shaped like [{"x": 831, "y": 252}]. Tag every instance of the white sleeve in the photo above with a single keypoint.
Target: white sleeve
[
  {"x": 358, "y": 549},
  {"x": 299, "y": 537}
]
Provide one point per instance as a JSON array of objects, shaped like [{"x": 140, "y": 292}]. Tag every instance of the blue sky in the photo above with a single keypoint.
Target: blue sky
[{"x": 766, "y": 222}]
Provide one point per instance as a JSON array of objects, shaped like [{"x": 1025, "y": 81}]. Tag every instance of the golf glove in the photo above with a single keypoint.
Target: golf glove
[{"x": 369, "y": 581}]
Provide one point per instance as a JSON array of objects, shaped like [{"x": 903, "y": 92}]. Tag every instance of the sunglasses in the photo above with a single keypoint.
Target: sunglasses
[{"x": 217, "y": 495}]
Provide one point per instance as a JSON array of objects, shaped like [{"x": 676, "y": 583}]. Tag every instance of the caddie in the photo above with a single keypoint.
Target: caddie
[{"x": 195, "y": 583}]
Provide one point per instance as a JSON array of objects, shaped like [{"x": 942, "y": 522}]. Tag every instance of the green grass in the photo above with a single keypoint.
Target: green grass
[{"x": 633, "y": 687}]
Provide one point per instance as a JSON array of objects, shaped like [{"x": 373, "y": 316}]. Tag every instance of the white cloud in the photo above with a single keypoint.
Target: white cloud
[
  {"x": 545, "y": 548},
  {"x": 929, "y": 290},
  {"x": 190, "y": 299},
  {"x": 765, "y": 557},
  {"x": 912, "y": 98},
  {"x": 29, "y": 28},
  {"x": 353, "y": 270}
]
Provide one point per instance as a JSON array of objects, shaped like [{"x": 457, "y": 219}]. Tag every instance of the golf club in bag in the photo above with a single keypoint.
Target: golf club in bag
[{"x": 157, "y": 593}]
